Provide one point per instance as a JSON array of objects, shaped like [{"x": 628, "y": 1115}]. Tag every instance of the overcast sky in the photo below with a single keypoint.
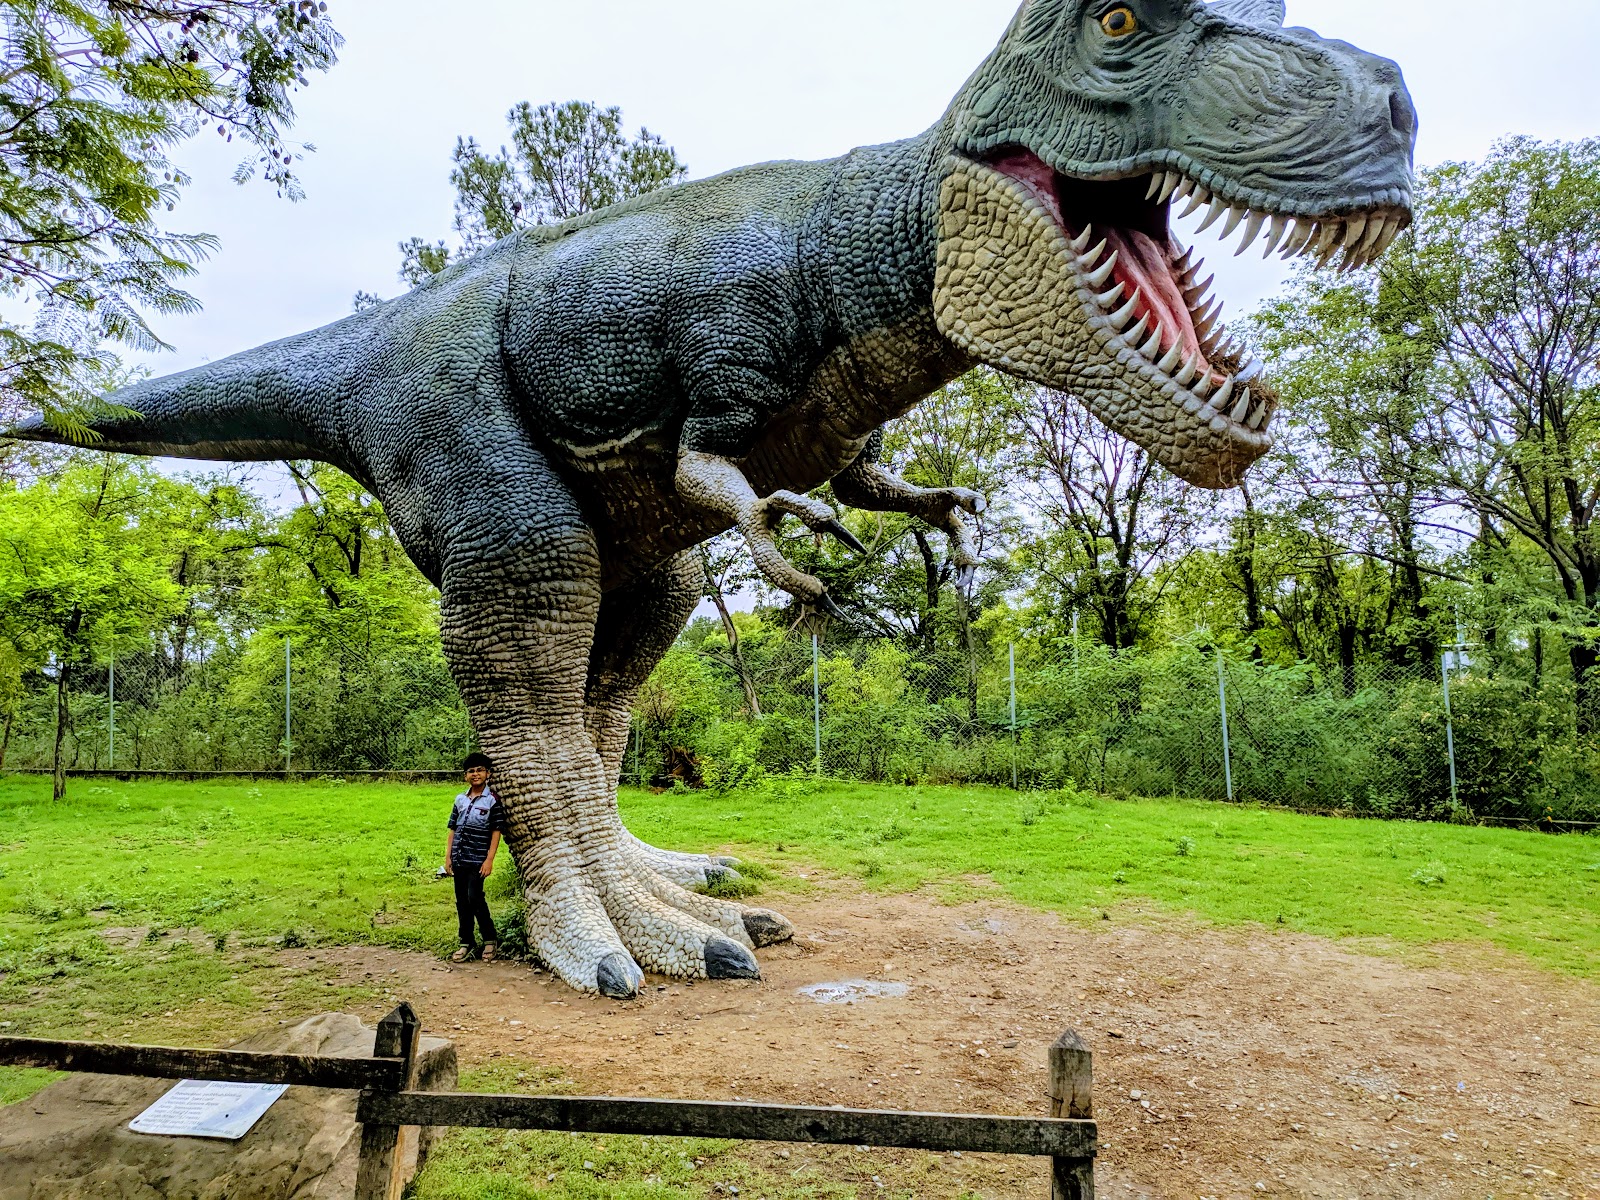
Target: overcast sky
[{"x": 729, "y": 83}]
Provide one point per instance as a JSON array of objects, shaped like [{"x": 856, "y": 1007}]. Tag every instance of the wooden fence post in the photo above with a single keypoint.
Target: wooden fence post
[
  {"x": 1071, "y": 1096},
  {"x": 379, "y": 1174}
]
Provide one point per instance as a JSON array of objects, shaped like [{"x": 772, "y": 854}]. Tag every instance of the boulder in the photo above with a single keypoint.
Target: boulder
[{"x": 71, "y": 1140}]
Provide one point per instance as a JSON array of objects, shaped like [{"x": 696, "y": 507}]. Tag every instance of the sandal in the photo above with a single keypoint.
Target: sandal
[
  {"x": 462, "y": 954},
  {"x": 489, "y": 953}
]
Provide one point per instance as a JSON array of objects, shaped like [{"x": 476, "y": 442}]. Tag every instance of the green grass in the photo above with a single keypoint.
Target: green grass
[
  {"x": 205, "y": 881},
  {"x": 1413, "y": 884}
]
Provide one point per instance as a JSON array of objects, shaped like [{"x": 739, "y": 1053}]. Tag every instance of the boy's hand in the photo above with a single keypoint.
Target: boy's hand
[
  {"x": 486, "y": 870},
  {"x": 448, "y": 869}
]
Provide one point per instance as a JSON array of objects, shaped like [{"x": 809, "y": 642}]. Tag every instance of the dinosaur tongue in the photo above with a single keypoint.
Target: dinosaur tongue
[{"x": 1144, "y": 265}]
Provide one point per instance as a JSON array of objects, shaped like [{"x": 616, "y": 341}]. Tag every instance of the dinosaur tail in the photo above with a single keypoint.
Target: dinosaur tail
[{"x": 276, "y": 401}]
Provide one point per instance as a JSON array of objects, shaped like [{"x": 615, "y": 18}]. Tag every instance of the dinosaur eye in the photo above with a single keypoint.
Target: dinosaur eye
[{"x": 1119, "y": 22}]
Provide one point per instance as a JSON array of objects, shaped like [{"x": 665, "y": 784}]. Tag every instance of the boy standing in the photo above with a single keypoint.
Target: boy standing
[{"x": 476, "y": 823}]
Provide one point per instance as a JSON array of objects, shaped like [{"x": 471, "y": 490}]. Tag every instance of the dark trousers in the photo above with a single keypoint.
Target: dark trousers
[{"x": 470, "y": 904}]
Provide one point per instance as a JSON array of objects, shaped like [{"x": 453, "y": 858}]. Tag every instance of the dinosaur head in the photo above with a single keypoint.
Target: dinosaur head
[{"x": 1075, "y": 144}]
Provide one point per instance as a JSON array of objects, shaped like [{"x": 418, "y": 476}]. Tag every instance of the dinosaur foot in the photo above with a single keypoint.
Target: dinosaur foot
[
  {"x": 620, "y": 917},
  {"x": 685, "y": 870}
]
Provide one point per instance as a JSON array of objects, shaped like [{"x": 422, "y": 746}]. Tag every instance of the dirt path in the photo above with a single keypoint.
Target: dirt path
[{"x": 1227, "y": 1062}]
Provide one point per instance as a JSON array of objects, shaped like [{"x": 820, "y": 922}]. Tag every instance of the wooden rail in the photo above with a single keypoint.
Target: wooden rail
[
  {"x": 172, "y": 1062},
  {"x": 392, "y": 1110}
]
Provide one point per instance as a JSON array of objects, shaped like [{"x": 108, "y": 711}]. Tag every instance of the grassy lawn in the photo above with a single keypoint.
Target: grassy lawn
[{"x": 113, "y": 903}]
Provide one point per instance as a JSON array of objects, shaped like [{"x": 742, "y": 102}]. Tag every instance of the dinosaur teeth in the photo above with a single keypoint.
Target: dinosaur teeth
[
  {"x": 1354, "y": 228},
  {"x": 1082, "y": 240},
  {"x": 1191, "y": 368},
  {"x": 1235, "y": 215},
  {"x": 1200, "y": 197},
  {"x": 1280, "y": 226},
  {"x": 1220, "y": 400},
  {"x": 1090, "y": 257},
  {"x": 1173, "y": 357},
  {"x": 1252, "y": 230},
  {"x": 1195, "y": 293},
  {"x": 1304, "y": 228},
  {"x": 1172, "y": 180},
  {"x": 1138, "y": 331},
  {"x": 1108, "y": 300},
  {"x": 1391, "y": 230},
  {"x": 1155, "y": 185},
  {"x": 1184, "y": 188},
  {"x": 1218, "y": 207},
  {"x": 1123, "y": 315},
  {"x": 1152, "y": 345},
  {"x": 1103, "y": 272},
  {"x": 1242, "y": 409}
]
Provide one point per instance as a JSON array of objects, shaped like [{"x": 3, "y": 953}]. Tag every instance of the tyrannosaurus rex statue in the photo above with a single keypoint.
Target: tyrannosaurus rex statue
[{"x": 553, "y": 425}]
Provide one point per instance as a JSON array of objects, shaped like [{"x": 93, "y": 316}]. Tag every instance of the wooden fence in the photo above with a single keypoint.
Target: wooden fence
[{"x": 390, "y": 1108}]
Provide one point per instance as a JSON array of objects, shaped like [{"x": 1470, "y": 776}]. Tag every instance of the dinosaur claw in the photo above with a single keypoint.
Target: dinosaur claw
[
  {"x": 837, "y": 529},
  {"x": 726, "y": 959},
  {"x": 828, "y": 605},
  {"x": 618, "y": 977},
  {"x": 766, "y": 927},
  {"x": 965, "y": 577}
]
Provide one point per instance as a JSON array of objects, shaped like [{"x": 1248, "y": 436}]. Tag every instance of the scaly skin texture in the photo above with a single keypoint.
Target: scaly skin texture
[{"x": 554, "y": 424}]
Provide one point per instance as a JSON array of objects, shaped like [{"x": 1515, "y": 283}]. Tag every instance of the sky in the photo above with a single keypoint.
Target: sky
[{"x": 729, "y": 82}]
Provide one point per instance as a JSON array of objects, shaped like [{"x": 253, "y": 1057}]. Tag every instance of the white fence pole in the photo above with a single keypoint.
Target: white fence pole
[
  {"x": 288, "y": 725},
  {"x": 816, "y": 699},
  {"x": 1222, "y": 701},
  {"x": 1011, "y": 653},
  {"x": 1449, "y": 723}
]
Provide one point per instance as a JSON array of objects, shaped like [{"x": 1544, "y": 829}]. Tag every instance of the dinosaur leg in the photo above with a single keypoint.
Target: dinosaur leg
[
  {"x": 521, "y": 598},
  {"x": 636, "y": 626}
]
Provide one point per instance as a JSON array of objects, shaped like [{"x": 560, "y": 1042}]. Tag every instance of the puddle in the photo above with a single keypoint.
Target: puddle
[{"x": 850, "y": 991}]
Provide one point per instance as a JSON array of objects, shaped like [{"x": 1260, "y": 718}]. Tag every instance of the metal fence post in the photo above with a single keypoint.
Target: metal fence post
[
  {"x": 1011, "y": 654},
  {"x": 1449, "y": 723},
  {"x": 288, "y": 727},
  {"x": 111, "y": 698},
  {"x": 1222, "y": 700},
  {"x": 816, "y": 699}
]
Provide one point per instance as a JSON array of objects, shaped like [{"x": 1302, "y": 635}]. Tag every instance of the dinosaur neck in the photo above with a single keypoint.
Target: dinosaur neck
[{"x": 878, "y": 235}]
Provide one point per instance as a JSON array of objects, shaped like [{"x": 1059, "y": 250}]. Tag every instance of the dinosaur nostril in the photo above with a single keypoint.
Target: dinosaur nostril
[{"x": 1401, "y": 115}]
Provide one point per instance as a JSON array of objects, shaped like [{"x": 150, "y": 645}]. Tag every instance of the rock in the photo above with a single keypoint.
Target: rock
[{"x": 71, "y": 1141}]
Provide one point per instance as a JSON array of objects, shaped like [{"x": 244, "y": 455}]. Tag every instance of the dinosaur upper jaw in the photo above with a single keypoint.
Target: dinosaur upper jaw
[{"x": 1079, "y": 284}]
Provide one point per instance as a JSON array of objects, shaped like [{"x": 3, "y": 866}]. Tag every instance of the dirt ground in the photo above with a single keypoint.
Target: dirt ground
[{"x": 1226, "y": 1062}]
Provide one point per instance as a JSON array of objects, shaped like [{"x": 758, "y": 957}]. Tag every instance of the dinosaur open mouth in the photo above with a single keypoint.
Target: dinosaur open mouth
[{"x": 1148, "y": 291}]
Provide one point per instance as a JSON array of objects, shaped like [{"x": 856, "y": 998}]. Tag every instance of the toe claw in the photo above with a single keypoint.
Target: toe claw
[
  {"x": 618, "y": 977},
  {"x": 837, "y": 529},
  {"x": 965, "y": 576},
  {"x": 828, "y": 605},
  {"x": 766, "y": 928},
  {"x": 726, "y": 959}
]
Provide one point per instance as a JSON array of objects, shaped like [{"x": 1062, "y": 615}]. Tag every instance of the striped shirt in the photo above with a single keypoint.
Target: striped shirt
[{"x": 474, "y": 818}]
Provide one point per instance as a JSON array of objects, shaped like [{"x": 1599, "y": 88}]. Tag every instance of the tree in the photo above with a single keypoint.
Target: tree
[
  {"x": 84, "y": 567},
  {"x": 1109, "y": 517},
  {"x": 1475, "y": 355},
  {"x": 93, "y": 95},
  {"x": 567, "y": 160}
]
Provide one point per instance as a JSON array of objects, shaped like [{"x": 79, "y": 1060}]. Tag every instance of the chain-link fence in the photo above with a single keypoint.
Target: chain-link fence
[
  {"x": 264, "y": 703},
  {"x": 1447, "y": 738},
  {"x": 1435, "y": 740}
]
